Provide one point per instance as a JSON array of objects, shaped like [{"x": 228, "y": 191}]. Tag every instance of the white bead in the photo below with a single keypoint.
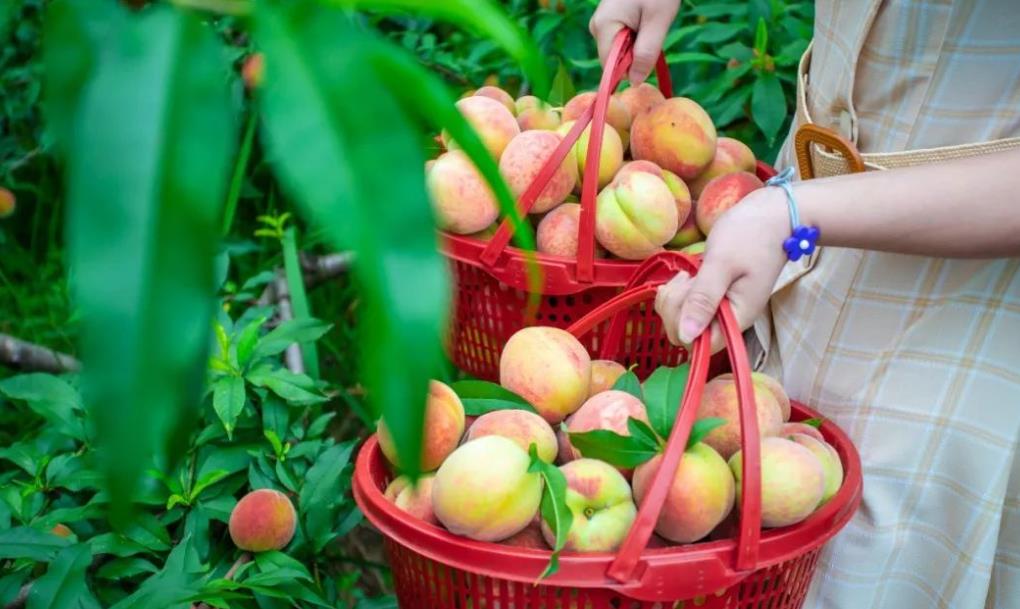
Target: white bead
[{"x": 804, "y": 244}]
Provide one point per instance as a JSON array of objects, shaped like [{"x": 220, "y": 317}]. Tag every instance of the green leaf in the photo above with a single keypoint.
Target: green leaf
[
  {"x": 147, "y": 174},
  {"x": 321, "y": 492},
  {"x": 629, "y": 382},
  {"x": 732, "y": 106},
  {"x": 611, "y": 447},
  {"x": 768, "y": 105},
  {"x": 761, "y": 37},
  {"x": 715, "y": 32},
  {"x": 702, "y": 428},
  {"x": 125, "y": 568},
  {"x": 692, "y": 57},
  {"x": 51, "y": 398},
  {"x": 10, "y": 586},
  {"x": 555, "y": 511},
  {"x": 228, "y": 401},
  {"x": 318, "y": 426},
  {"x": 117, "y": 545},
  {"x": 295, "y": 388},
  {"x": 360, "y": 178},
  {"x": 33, "y": 544},
  {"x": 63, "y": 584},
  {"x": 481, "y": 397},
  {"x": 562, "y": 86},
  {"x": 275, "y": 416},
  {"x": 148, "y": 532},
  {"x": 290, "y": 332},
  {"x": 207, "y": 480},
  {"x": 171, "y": 588},
  {"x": 663, "y": 391},
  {"x": 247, "y": 340},
  {"x": 722, "y": 9},
  {"x": 814, "y": 422},
  {"x": 640, "y": 431},
  {"x": 677, "y": 34},
  {"x": 299, "y": 299}
]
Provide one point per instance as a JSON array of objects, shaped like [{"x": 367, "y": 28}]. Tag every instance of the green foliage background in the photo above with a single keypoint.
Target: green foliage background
[{"x": 155, "y": 199}]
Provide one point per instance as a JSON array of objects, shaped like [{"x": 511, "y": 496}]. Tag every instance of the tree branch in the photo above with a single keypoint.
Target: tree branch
[{"x": 29, "y": 357}]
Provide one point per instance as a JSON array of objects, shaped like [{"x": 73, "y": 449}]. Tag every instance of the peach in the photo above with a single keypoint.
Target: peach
[
  {"x": 524, "y": 159},
  {"x": 832, "y": 467},
  {"x": 792, "y": 481},
  {"x": 7, "y": 203},
  {"x": 531, "y": 537},
  {"x": 61, "y": 530},
  {"x": 253, "y": 71},
  {"x": 416, "y": 500},
  {"x": 523, "y": 427},
  {"x": 557, "y": 231},
  {"x": 699, "y": 498},
  {"x": 463, "y": 201},
  {"x": 721, "y": 194},
  {"x": 676, "y": 186},
  {"x": 617, "y": 115},
  {"x": 604, "y": 374},
  {"x": 600, "y": 501},
  {"x": 486, "y": 233},
  {"x": 262, "y": 520},
  {"x": 688, "y": 233},
  {"x": 608, "y": 410},
  {"x": 774, "y": 386},
  {"x": 610, "y": 155},
  {"x": 527, "y": 102},
  {"x": 731, "y": 156},
  {"x": 495, "y": 125},
  {"x": 695, "y": 249},
  {"x": 444, "y": 425},
  {"x": 499, "y": 95},
  {"x": 640, "y": 99},
  {"x": 677, "y": 135},
  {"x": 549, "y": 368},
  {"x": 635, "y": 216},
  {"x": 719, "y": 399},
  {"x": 484, "y": 491},
  {"x": 789, "y": 429},
  {"x": 532, "y": 113}
]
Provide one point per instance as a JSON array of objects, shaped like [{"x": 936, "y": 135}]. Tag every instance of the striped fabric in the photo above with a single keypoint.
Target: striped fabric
[{"x": 917, "y": 358}]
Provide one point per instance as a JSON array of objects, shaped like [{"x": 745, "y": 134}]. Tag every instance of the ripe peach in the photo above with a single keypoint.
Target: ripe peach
[
  {"x": 677, "y": 135},
  {"x": 415, "y": 500},
  {"x": 499, "y": 95},
  {"x": 253, "y": 71},
  {"x": 832, "y": 467},
  {"x": 789, "y": 429},
  {"x": 676, "y": 186},
  {"x": 549, "y": 368},
  {"x": 484, "y": 490},
  {"x": 608, "y": 410},
  {"x": 610, "y": 156},
  {"x": 700, "y": 497},
  {"x": 262, "y": 520},
  {"x": 688, "y": 232},
  {"x": 635, "y": 216},
  {"x": 604, "y": 374},
  {"x": 531, "y": 537},
  {"x": 7, "y": 203},
  {"x": 640, "y": 99},
  {"x": 533, "y": 113},
  {"x": 719, "y": 399},
  {"x": 462, "y": 199},
  {"x": 721, "y": 194},
  {"x": 773, "y": 386},
  {"x": 494, "y": 123},
  {"x": 731, "y": 156},
  {"x": 444, "y": 425},
  {"x": 527, "y": 102},
  {"x": 61, "y": 530},
  {"x": 524, "y": 159},
  {"x": 523, "y": 427},
  {"x": 557, "y": 232},
  {"x": 792, "y": 481},
  {"x": 617, "y": 115},
  {"x": 600, "y": 501}
]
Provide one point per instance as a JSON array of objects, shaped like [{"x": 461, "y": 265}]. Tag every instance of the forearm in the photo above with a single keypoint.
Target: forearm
[{"x": 966, "y": 208}]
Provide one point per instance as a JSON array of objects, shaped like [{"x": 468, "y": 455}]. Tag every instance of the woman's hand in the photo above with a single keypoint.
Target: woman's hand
[
  {"x": 649, "y": 18},
  {"x": 743, "y": 257}
]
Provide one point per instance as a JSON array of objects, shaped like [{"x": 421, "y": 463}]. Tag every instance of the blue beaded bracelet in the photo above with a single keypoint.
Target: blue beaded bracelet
[{"x": 803, "y": 239}]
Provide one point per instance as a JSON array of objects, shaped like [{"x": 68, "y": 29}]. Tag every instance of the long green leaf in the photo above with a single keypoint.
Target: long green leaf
[
  {"x": 147, "y": 175},
  {"x": 482, "y": 16},
  {"x": 768, "y": 105},
  {"x": 228, "y": 401},
  {"x": 611, "y": 447},
  {"x": 663, "y": 390},
  {"x": 358, "y": 173},
  {"x": 63, "y": 584},
  {"x": 321, "y": 491},
  {"x": 555, "y": 511},
  {"x": 23, "y": 542},
  {"x": 51, "y": 398},
  {"x": 298, "y": 297}
]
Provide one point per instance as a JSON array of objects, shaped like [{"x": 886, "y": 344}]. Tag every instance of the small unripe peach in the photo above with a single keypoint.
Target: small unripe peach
[
  {"x": 636, "y": 216},
  {"x": 499, "y": 95},
  {"x": 676, "y": 186},
  {"x": 604, "y": 374},
  {"x": 444, "y": 426},
  {"x": 416, "y": 500},
  {"x": 549, "y": 368},
  {"x": 640, "y": 99},
  {"x": 524, "y": 158},
  {"x": 522, "y": 427},
  {"x": 721, "y": 194},
  {"x": 7, "y": 203},
  {"x": 490, "y": 119},
  {"x": 610, "y": 155},
  {"x": 527, "y": 102},
  {"x": 262, "y": 520},
  {"x": 463, "y": 201},
  {"x": 832, "y": 467}
]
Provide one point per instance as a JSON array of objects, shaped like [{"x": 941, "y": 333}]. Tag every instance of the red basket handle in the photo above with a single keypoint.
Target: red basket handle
[
  {"x": 617, "y": 63},
  {"x": 627, "y": 567}
]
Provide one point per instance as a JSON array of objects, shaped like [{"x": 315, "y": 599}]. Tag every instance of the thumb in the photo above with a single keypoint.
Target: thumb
[{"x": 706, "y": 292}]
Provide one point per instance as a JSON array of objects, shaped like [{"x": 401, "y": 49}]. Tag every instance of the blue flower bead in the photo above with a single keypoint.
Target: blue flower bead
[{"x": 801, "y": 243}]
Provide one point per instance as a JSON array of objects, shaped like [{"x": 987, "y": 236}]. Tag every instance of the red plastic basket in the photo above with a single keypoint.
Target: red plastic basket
[
  {"x": 490, "y": 278},
  {"x": 748, "y": 568}
]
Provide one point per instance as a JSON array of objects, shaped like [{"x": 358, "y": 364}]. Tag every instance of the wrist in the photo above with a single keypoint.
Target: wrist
[{"x": 802, "y": 234}]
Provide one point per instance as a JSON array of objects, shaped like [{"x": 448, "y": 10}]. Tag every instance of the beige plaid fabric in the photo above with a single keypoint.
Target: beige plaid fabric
[{"x": 917, "y": 358}]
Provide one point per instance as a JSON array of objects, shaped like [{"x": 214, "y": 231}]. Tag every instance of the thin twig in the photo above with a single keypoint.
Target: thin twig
[
  {"x": 316, "y": 270},
  {"x": 30, "y": 357},
  {"x": 20, "y": 600}
]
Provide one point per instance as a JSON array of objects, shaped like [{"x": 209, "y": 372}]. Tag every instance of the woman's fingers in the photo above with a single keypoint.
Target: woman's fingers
[
  {"x": 707, "y": 290},
  {"x": 656, "y": 17},
  {"x": 668, "y": 300},
  {"x": 609, "y": 18}
]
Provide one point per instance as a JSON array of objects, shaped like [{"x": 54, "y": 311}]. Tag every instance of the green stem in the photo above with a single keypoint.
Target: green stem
[{"x": 237, "y": 180}]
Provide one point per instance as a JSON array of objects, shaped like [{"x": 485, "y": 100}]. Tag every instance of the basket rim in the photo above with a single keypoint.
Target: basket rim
[{"x": 776, "y": 546}]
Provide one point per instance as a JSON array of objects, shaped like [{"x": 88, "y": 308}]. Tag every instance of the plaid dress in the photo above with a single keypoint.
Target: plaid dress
[{"x": 917, "y": 358}]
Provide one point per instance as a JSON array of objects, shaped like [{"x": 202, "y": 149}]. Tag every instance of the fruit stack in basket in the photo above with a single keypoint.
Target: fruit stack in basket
[
  {"x": 605, "y": 430},
  {"x": 664, "y": 176}
]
